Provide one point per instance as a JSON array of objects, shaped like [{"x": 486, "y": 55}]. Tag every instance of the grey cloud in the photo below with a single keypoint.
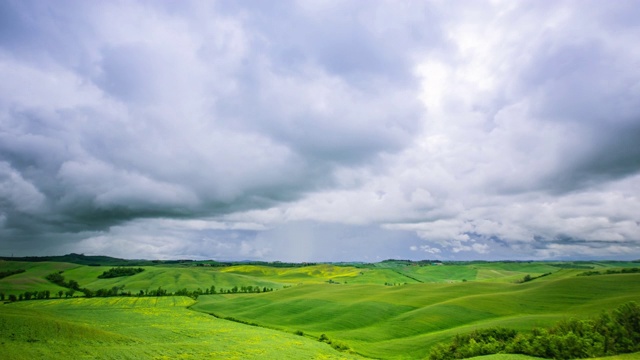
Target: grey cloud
[
  {"x": 171, "y": 123},
  {"x": 471, "y": 128},
  {"x": 581, "y": 76}
]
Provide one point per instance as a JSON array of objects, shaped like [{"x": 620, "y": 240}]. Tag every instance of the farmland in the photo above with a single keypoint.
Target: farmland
[{"x": 387, "y": 310}]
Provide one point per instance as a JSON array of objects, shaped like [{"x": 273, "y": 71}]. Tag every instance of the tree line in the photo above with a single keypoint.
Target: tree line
[
  {"x": 611, "y": 333},
  {"x": 528, "y": 277},
  {"x": 73, "y": 287},
  {"x": 634, "y": 270},
  {"x": 59, "y": 280},
  {"x": 4, "y": 274}
]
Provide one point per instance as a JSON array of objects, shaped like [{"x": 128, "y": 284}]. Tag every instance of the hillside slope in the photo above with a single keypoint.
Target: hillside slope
[{"x": 405, "y": 321}]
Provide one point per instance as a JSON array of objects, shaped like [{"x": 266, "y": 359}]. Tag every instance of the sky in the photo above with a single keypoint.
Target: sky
[{"x": 320, "y": 130}]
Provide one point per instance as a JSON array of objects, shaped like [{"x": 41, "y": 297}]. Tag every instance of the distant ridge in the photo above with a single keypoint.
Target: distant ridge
[
  {"x": 102, "y": 260},
  {"x": 81, "y": 259}
]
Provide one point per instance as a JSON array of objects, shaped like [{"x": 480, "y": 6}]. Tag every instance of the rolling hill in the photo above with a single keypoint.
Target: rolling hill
[{"x": 390, "y": 310}]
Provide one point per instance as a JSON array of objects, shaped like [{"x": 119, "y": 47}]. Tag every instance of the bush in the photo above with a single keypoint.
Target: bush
[
  {"x": 119, "y": 271},
  {"x": 338, "y": 345},
  {"x": 612, "y": 333}
]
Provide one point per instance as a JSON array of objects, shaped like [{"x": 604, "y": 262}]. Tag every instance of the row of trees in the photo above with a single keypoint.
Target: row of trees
[
  {"x": 119, "y": 291},
  {"x": 73, "y": 287},
  {"x": 616, "y": 332},
  {"x": 611, "y": 271},
  {"x": 35, "y": 295},
  {"x": 59, "y": 280},
  {"x": 212, "y": 290},
  {"x": 528, "y": 277},
  {"x": 4, "y": 274}
]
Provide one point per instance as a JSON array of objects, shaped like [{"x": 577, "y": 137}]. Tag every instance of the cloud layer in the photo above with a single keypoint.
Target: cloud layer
[{"x": 320, "y": 130}]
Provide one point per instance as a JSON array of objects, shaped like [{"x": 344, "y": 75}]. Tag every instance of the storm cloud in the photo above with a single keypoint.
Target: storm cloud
[{"x": 318, "y": 131}]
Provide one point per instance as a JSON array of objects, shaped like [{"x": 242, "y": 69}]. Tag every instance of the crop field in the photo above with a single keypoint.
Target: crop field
[{"x": 388, "y": 310}]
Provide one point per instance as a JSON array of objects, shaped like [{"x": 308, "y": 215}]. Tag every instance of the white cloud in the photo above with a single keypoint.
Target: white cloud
[
  {"x": 425, "y": 248},
  {"x": 491, "y": 129}
]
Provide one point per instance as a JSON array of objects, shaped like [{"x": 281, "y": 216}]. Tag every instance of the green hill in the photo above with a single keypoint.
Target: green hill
[
  {"x": 169, "y": 278},
  {"x": 33, "y": 279},
  {"x": 140, "y": 328},
  {"x": 423, "y": 304},
  {"x": 405, "y": 321}
]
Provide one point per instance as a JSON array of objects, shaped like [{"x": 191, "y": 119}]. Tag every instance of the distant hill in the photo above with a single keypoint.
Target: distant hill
[
  {"x": 82, "y": 259},
  {"x": 100, "y": 260},
  {"x": 396, "y": 265}
]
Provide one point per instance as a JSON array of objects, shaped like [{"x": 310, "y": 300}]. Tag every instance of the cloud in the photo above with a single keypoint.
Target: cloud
[
  {"x": 479, "y": 129},
  {"x": 426, "y": 248}
]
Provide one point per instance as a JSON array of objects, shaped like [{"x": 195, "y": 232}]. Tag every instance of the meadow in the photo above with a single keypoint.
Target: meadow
[
  {"x": 141, "y": 328},
  {"x": 387, "y": 310}
]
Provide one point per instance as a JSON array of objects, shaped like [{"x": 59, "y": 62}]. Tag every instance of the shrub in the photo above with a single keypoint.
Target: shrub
[
  {"x": 119, "y": 271},
  {"x": 609, "y": 334}
]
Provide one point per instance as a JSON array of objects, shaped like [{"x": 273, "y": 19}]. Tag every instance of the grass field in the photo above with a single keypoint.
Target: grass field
[
  {"x": 405, "y": 321},
  {"x": 141, "y": 328},
  {"x": 169, "y": 278},
  {"x": 34, "y": 277},
  {"x": 425, "y": 305}
]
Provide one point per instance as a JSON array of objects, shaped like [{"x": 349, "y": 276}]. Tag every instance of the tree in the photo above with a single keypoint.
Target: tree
[
  {"x": 73, "y": 285},
  {"x": 60, "y": 293},
  {"x": 12, "y": 298},
  {"x": 1, "y": 296},
  {"x": 56, "y": 278}
]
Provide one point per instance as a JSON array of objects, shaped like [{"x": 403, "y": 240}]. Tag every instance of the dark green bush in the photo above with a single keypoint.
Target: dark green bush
[{"x": 612, "y": 333}]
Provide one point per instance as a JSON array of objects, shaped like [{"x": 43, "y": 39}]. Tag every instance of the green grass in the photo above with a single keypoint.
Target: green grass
[
  {"x": 141, "y": 328},
  {"x": 295, "y": 275},
  {"x": 428, "y": 305},
  {"x": 405, "y": 321},
  {"x": 474, "y": 271},
  {"x": 33, "y": 279},
  {"x": 169, "y": 278}
]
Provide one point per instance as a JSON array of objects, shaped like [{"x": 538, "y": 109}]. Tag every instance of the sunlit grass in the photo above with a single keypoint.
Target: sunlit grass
[
  {"x": 423, "y": 305},
  {"x": 141, "y": 328},
  {"x": 405, "y": 321}
]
